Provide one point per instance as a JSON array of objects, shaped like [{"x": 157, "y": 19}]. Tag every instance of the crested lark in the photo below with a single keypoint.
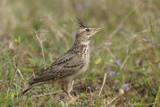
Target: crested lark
[{"x": 70, "y": 65}]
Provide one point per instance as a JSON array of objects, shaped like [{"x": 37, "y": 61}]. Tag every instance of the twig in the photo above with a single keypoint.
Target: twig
[
  {"x": 41, "y": 44},
  {"x": 20, "y": 73},
  {"x": 157, "y": 97},
  {"x": 121, "y": 92},
  {"x": 124, "y": 62},
  {"x": 152, "y": 42},
  {"x": 104, "y": 80},
  {"x": 109, "y": 51},
  {"x": 45, "y": 94},
  {"x": 112, "y": 100}
]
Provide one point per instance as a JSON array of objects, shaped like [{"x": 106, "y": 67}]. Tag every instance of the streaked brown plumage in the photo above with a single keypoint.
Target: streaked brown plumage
[{"x": 70, "y": 65}]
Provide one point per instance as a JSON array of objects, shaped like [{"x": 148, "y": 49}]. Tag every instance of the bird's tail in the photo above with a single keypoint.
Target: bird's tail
[
  {"x": 26, "y": 90},
  {"x": 35, "y": 82},
  {"x": 32, "y": 84}
]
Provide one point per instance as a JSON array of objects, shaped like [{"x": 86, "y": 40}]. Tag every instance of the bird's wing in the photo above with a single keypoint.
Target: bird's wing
[{"x": 64, "y": 66}]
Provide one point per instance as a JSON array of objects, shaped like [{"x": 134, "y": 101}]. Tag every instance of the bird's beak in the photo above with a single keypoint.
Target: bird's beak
[
  {"x": 97, "y": 30},
  {"x": 94, "y": 31}
]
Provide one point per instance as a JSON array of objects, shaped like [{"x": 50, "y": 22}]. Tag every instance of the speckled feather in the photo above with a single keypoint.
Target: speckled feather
[{"x": 67, "y": 65}]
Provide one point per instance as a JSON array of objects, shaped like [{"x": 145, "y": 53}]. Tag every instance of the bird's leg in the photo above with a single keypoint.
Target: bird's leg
[
  {"x": 67, "y": 87},
  {"x": 69, "y": 95}
]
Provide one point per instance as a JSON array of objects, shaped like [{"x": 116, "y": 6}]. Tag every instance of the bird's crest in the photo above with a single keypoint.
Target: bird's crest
[{"x": 81, "y": 24}]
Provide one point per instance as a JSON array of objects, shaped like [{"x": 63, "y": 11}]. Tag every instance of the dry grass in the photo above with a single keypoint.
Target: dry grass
[{"x": 127, "y": 51}]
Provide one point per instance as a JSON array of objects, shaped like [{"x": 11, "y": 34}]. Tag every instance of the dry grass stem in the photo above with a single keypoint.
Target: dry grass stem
[
  {"x": 104, "y": 80},
  {"x": 41, "y": 44}
]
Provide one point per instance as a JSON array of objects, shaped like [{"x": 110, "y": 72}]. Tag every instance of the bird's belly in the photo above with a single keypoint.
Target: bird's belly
[{"x": 78, "y": 73}]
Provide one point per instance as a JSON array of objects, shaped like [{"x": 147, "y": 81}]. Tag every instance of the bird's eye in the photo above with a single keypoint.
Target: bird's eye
[{"x": 87, "y": 30}]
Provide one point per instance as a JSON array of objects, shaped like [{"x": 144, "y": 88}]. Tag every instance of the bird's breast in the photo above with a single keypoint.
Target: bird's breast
[
  {"x": 86, "y": 58},
  {"x": 85, "y": 55}
]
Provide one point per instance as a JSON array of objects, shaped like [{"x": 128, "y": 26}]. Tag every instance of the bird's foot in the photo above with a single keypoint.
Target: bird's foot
[{"x": 69, "y": 95}]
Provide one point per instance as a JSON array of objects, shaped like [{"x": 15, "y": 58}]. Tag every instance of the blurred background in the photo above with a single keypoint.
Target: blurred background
[{"x": 33, "y": 33}]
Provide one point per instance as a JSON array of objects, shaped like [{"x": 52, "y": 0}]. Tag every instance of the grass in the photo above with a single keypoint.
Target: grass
[{"x": 131, "y": 34}]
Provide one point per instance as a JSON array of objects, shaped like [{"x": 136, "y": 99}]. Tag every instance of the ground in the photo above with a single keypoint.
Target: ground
[{"x": 125, "y": 55}]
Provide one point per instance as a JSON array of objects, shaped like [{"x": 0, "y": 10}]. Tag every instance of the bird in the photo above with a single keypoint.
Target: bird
[{"x": 71, "y": 64}]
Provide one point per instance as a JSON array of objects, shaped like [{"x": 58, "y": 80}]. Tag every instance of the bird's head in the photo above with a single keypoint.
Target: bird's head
[{"x": 85, "y": 33}]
